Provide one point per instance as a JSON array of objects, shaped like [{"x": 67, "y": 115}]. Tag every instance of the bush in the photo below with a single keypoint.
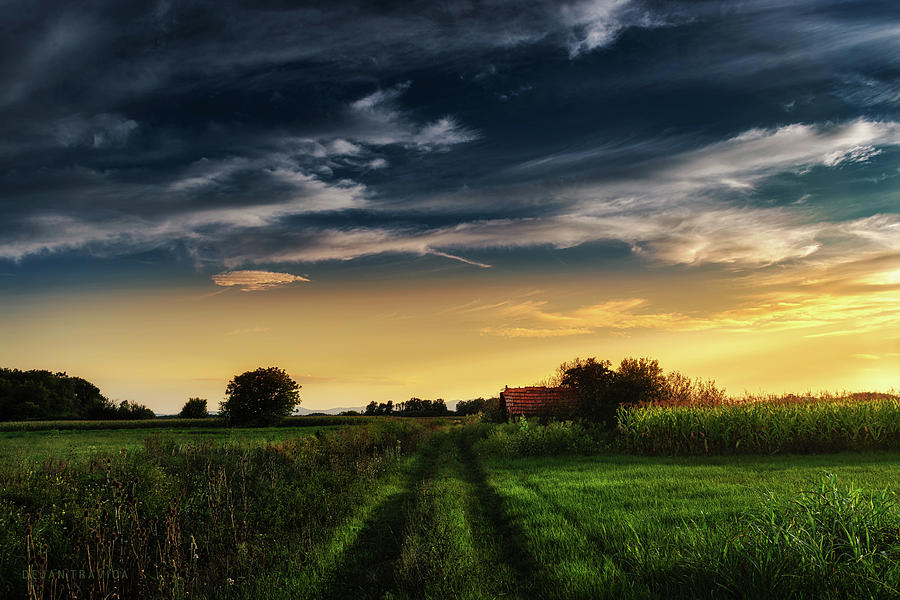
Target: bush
[
  {"x": 527, "y": 438},
  {"x": 493, "y": 411},
  {"x": 194, "y": 408}
]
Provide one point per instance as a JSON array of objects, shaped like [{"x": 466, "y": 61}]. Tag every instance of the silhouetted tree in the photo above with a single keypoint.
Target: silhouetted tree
[
  {"x": 133, "y": 410},
  {"x": 469, "y": 407},
  {"x": 639, "y": 380},
  {"x": 260, "y": 397},
  {"x": 41, "y": 394},
  {"x": 593, "y": 379},
  {"x": 414, "y": 407},
  {"x": 194, "y": 408}
]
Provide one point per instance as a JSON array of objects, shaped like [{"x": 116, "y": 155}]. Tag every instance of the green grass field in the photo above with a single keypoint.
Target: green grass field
[
  {"x": 173, "y": 423},
  {"x": 448, "y": 525},
  {"x": 61, "y": 444},
  {"x": 408, "y": 509},
  {"x": 622, "y": 526}
]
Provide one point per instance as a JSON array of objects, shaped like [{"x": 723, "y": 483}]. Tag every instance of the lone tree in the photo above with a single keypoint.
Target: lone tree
[
  {"x": 260, "y": 397},
  {"x": 194, "y": 408}
]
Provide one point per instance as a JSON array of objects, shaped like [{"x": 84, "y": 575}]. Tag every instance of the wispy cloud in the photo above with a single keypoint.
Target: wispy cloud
[
  {"x": 378, "y": 120},
  {"x": 255, "y": 281},
  {"x": 592, "y": 24},
  {"x": 815, "y": 315}
]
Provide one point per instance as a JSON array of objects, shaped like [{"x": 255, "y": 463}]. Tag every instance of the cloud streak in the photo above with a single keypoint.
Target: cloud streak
[{"x": 256, "y": 281}]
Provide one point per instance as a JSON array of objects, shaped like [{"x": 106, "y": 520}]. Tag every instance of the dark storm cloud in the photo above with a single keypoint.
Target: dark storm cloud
[{"x": 263, "y": 133}]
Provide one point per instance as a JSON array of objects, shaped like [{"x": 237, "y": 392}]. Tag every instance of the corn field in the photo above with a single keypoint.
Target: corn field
[{"x": 762, "y": 427}]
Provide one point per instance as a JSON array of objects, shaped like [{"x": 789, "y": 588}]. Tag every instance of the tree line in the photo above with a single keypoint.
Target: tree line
[
  {"x": 268, "y": 394},
  {"x": 46, "y": 395},
  {"x": 414, "y": 407}
]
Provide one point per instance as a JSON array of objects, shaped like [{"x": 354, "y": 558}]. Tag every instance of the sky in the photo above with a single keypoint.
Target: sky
[{"x": 437, "y": 200}]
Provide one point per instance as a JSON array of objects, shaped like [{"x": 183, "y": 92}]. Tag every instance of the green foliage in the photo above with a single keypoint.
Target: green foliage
[
  {"x": 260, "y": 397},
  {"x": 594, "y": 382},
  {"x": 493, "y": 411},
  {"x": 450, "y": 548},
  {"x": 638, "y": 380},
  {"x": 185, "y": 520},
  {"x": 527, "y": 438},
  {"x": 470, "y": 407},
  {"x": 621, "y": 527},
  {"x": 832, "y": 541},
  {"x": 194, "y": 408},
  {"x": 761, "y": 427},
  {"x": 346, "y": 514},
  {"x": 38, "y": 445},
  {"x": 681, "y": 390},
  {"x": 45, "y": 395},
  {"x": 132, "y": 411}
]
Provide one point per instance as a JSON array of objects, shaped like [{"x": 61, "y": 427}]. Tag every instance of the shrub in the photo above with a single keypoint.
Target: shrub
[
  {"x": 527, "y": 438},
  {"x": 493, "y": 411},
  {"x": 194, "y": 408}
]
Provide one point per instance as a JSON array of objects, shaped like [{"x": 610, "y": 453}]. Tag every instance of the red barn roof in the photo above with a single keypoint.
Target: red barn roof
[{"x": 540, "y": 401}]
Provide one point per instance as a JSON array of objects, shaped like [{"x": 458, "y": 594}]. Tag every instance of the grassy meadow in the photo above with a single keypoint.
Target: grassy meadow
[
  {"x": 650, "y": 527},
  {"x": 388, "y": 508},
  {"x": 57, "y": 444}
]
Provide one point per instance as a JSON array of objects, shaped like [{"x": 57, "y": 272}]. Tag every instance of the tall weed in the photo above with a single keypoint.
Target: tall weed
[{"x": 524, "y": 437}]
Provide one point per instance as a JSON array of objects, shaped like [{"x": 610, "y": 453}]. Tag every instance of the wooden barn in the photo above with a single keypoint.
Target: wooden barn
[{"x": 540, "y": 401}]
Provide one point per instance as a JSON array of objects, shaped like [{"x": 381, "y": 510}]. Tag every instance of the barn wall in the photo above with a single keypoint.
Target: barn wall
[{"x": 540, "y": 401}]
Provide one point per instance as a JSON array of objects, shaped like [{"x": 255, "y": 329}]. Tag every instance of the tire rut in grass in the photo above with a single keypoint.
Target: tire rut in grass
[
  {"x": 442, "y": 536},
  {"x": 532, "y": 579},
  {"x": 366, "y": 568},
  {"x": 450, "y": 548}
]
